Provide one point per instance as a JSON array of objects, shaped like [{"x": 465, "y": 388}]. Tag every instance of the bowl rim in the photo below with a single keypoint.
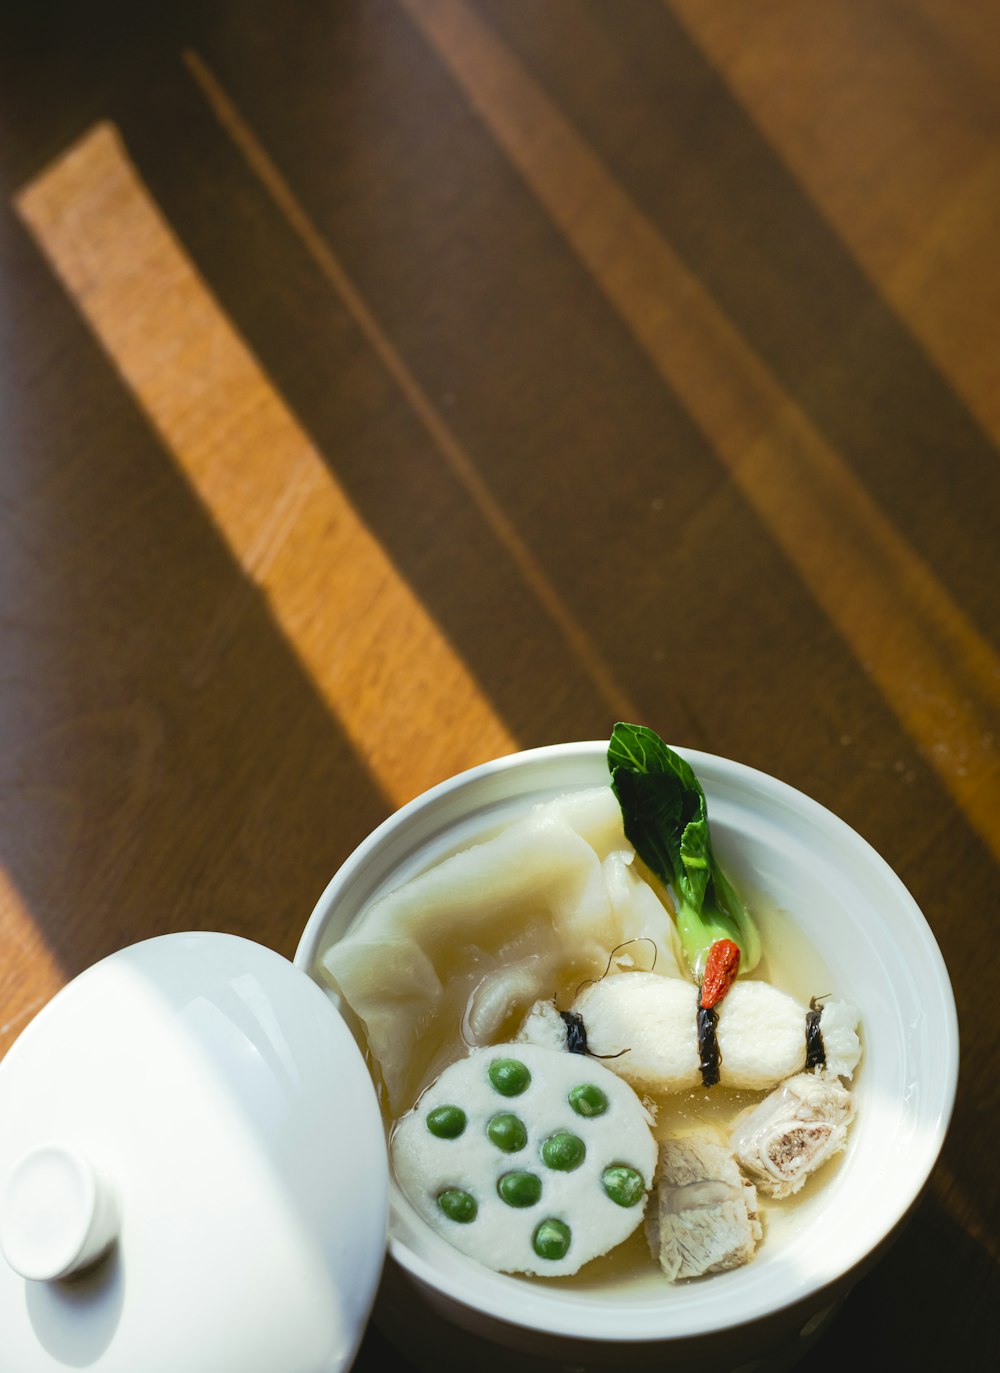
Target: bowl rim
[{"x": 530, "y": 1305}]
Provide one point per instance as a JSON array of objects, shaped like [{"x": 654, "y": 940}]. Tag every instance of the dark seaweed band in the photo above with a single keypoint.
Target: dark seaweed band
[
  {"x": 576, "y": 1032},
  {"x": 709, "y": 1056},
  {"x": 815, "y": 1048}
]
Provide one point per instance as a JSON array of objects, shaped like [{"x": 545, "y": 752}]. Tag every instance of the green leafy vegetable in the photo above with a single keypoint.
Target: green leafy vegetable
[{"x": 666, "y": 822}]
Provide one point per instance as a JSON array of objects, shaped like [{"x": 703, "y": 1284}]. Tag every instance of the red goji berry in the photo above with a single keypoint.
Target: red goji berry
[{"x": 721, "y": 967}]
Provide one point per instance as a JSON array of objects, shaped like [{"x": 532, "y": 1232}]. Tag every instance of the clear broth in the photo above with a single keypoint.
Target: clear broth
[{"x": 790, "y": 963}]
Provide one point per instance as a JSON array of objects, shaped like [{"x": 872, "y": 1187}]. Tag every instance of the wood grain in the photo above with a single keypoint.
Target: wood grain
[
  {"x": 851, "y": 557},
  {"x": 908, "y": 230},
  {"x": 254, "y": 469},
  {"x": 391, "y": 384},
  {"x": 428, "y": 414}
]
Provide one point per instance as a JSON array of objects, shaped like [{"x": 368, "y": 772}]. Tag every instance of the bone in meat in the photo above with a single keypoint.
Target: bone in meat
[{"x": 792, "y": 1132}]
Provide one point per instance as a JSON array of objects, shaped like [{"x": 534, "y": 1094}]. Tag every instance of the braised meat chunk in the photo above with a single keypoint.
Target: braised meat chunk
[{"x": 703, "y": 1215}]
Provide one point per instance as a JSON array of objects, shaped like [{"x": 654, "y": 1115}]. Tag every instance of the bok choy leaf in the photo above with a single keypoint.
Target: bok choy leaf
[{"x": 666, "y": 821}]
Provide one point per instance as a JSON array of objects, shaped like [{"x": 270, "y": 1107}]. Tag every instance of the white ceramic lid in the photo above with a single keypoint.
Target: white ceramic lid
[{"x": 193, "y": 1170}]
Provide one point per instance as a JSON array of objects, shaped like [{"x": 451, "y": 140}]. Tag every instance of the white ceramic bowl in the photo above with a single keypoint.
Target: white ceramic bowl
[{"x": 879, "y": 953}]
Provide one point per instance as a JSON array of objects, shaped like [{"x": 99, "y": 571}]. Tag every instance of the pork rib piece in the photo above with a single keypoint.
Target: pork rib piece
[
  {"x": 703, "y": 1216},
  {"x": 794, "y": 1130}
]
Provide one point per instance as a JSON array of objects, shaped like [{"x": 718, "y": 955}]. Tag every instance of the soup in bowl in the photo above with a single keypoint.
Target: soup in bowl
[{"x": 835, "y": 922}]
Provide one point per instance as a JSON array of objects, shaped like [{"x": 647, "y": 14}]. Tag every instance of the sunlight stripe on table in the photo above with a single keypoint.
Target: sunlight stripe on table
[
  {"x": 523, "y": 558},
  {"x": 376, "y": 657},
  {"x": 933, "y": 668},
  {"x": 918, "y": 215},
  {"x": 22, "y": 947}
]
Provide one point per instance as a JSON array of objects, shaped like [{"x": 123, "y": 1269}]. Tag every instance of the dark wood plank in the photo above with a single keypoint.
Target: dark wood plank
[
  {"x": 169, "y": 757},
  {"x": 158, "y": 735},
  {"x": 647, "y": 100},
  {"x": 610, "y": 483},
  {"x": 651, "y": 517},
  {"x": 375, "y": 443}
]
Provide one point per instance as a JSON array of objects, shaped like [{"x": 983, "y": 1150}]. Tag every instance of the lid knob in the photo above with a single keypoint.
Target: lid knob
[{"x": 57, "y": 1214}]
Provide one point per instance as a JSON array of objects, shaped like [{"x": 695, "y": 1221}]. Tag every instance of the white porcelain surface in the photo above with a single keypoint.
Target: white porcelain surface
[
  {"x": 57, "y": 1214},
  {"x": 879, "y": 952},
  {"x": 205, "y": 1084}
]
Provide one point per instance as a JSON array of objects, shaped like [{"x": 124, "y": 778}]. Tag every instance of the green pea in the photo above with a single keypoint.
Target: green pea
[
  {"x": 447, "y": 1122},
  {"x": 458, "y": 1206},
  {"x": 563, "y": 1151},
  {"x": 551, "y": 1239},
  {"x": 509, "y": 1076},
  {"x": 623, "y": 1185},
  {"x": 507, "y": 1132},
  {"x": 588, "y": 1100},
  {"x": 520, "y": 1189}
]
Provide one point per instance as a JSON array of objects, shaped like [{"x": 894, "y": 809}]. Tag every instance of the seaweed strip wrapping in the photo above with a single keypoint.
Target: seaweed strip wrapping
[
  {"x": 576, "y": 1032},
  {"x": 709, "y": 1056},
  {"x": 576, "y": 1036},
  {"x": 815, "y": 1048}
]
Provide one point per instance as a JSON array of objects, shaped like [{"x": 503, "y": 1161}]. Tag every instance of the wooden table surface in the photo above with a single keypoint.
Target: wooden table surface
[{"x": 388, "y": 386}]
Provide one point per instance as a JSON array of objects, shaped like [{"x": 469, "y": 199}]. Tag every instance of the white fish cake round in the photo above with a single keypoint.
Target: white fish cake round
[{"x": 528, "y": 1159}]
